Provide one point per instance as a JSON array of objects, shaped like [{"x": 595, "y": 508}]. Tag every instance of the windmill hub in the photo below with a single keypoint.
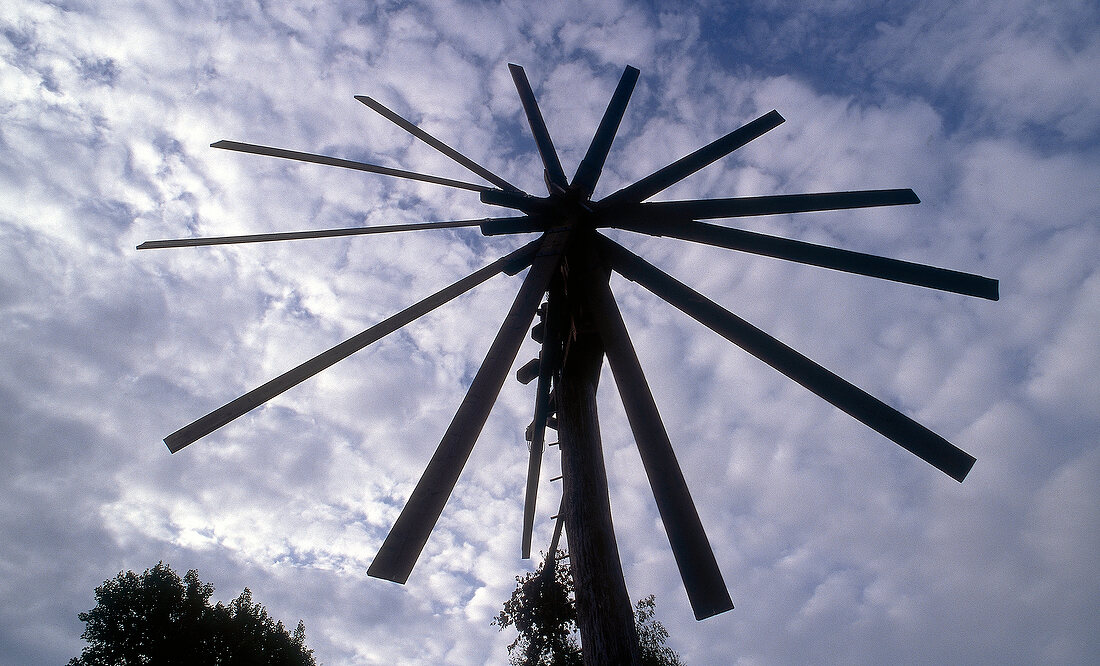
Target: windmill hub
[{"x": 570, "y": 203}]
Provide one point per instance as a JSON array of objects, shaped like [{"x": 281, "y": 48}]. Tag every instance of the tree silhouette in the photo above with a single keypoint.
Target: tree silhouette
[
  {"x": 652, "y": 635},
  {"x": 543, "y": 610},
  {"x": 157, "y": 618}
]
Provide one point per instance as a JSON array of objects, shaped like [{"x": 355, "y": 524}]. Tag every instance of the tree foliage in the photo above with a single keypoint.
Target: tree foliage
[
  {"x": 157, "y": 618},
  {"x": 652, "y": 635},
  {"x": 543, "y": 610}
]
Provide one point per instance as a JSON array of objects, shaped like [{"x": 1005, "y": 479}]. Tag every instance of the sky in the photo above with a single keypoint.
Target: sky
[{"x": 837, "y": 545}]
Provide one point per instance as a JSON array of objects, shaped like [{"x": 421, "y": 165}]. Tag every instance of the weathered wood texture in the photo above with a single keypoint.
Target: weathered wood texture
[{"x": 605, "y": 618}]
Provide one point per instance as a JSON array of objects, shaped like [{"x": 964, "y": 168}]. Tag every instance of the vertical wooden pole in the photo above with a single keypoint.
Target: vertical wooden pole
[{"x": 605, "y": 617}]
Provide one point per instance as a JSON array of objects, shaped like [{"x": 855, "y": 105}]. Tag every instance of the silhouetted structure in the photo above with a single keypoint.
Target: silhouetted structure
[{"x": 570, "y": 263}]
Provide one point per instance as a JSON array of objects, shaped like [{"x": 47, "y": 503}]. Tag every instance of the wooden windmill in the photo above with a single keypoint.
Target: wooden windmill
[{"x": 568, "y": 265}]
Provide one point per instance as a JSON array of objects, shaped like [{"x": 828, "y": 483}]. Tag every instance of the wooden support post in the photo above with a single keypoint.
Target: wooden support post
[{"x": 605, "y": 617}]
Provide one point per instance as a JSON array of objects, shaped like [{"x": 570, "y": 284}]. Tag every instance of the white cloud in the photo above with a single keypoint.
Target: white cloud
[
  {"x": 836, "y": 544},
  {"x": 1023, "y": 68}
]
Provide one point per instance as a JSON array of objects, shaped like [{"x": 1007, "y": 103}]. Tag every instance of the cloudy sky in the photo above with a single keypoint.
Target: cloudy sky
[{"x": 837, "y": 545}]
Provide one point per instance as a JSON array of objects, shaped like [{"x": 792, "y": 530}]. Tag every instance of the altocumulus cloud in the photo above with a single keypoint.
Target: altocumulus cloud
[{"x": 837, "y": 545}]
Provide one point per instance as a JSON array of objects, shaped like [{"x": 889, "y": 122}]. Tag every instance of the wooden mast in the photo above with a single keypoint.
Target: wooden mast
[{"x": 605, "y": 617}]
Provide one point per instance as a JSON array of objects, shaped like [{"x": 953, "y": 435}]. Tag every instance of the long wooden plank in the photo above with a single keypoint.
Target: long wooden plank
[
  {"x": 548, "y": 366},
  {"x": 871, "y": 411},
  {"x": 534, "y": 465},
  {"x": 702, "y": 578},
  {"x": 324, "y": 233},
  {"x": 588, "y": 171},
  {"x": 554, "y": 172},
  {"x": 345, "y": 164},
  {"x": 780, "y": 204},
  {"x": 404, "y": 124},
  {"x": 404, "y": 543},
  {"x": 258, "y": 396},
  {"x": 524, "y": 225},
  {"x": 823, "y": 256},
  {"x": 518, "y": 200},
  {"x": 685, "y": 166}
]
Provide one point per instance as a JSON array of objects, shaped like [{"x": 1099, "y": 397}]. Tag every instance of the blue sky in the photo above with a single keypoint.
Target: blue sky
[{"x": 837, "y": 545}]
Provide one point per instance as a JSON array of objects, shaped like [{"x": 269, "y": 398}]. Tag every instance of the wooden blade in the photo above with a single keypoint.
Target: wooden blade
[
  {"x": 701, "y": 209},
  {"x": 323, "y": 233},
  {"x": 518, "y": 200},
  {"x": 534, "y": 466},
  {"x": 921, "y": 441},
  {"x": 548, "y": 366},
  {"x": 588, "y": 172},
  {"x": 402, "y": 547},
  {"x": 205, "y": 425},
  {"x": 824, "y": 256},
  {"x": 706, "y": 589},
  {"x": 522, "y": 225},
  {"x": 437, "y": 144},
  {"x": 347, "y": 164},
  {"x": 685, "y": 166},
  {"x": 554, "y": 172}
]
